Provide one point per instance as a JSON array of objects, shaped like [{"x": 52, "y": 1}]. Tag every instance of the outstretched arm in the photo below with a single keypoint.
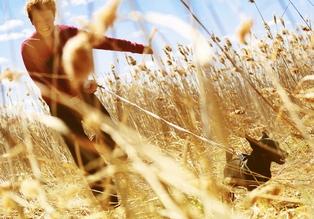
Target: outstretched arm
[{"x": 108, "y": 43}]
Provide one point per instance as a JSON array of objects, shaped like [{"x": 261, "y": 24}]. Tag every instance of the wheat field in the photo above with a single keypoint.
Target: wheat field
[{"x": 175, "y": 121}]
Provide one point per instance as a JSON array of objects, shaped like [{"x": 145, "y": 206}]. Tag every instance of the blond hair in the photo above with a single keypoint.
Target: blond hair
[{"x": 40, "y": 5}]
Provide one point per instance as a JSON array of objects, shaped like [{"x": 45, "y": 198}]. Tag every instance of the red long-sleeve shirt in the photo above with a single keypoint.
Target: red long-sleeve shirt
[{"x": 39, "y": 58}]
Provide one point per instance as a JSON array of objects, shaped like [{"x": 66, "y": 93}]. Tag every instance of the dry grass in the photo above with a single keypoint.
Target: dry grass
[{"x": 175, "y": 123}]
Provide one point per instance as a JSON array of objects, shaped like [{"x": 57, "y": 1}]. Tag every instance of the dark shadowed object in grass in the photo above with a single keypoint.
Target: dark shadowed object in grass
[{"x": 252, "y": 170}]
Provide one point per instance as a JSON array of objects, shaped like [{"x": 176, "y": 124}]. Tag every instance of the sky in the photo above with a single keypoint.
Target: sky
[{"x": 221, "y": 17}]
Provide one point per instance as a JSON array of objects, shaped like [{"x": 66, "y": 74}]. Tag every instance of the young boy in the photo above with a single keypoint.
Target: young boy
[{"x": 42, "y": 54}]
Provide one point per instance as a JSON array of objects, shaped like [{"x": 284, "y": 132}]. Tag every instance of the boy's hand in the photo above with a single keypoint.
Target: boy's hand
[
  {"x": 90, "y": 86},
  {"x": 148, "y": 50}
]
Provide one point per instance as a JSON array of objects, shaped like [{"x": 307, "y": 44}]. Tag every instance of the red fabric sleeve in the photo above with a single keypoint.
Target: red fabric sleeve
[
  {"x": 67, "y": 32},
  {"x": 119, "y": 45},
  {"x": 107, "y": 43}
]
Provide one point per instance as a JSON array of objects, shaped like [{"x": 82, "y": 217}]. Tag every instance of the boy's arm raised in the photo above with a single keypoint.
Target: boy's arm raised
[{"x": 108, "y": 43}]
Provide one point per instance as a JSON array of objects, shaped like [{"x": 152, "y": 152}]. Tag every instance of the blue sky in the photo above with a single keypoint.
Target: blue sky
[{"x": 220, "y": 16}]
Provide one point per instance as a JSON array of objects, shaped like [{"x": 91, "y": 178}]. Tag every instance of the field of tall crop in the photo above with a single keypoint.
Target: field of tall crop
[{"x": 174, "y": 122}]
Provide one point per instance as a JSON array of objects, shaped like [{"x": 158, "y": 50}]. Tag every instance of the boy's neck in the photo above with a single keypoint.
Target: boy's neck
[{"x": 49, "y": 40}]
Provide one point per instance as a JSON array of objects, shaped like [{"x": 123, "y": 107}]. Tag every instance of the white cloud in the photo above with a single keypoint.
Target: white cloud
[
  {"x": 79, "y": 20},
  {"x": 11, "y": 24},
  {"x": 75, "y": 2},
  {"x": 203, "y": 52},
  {"x": 11, "y": 36},
  {"x": 4, "y": 61},
  {"x": 15, "y": 35},
  {"x": 27, "y": 32},
  {"x": 80, "y": 2},
  {"x": 137, "y": 34},
  {"x": 67, "y": 14}
]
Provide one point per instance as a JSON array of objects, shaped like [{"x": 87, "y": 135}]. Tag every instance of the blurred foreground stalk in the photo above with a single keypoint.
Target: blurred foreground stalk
[{"x": 38, "y": 176}]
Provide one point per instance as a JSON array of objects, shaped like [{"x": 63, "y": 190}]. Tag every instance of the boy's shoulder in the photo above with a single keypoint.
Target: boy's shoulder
[
  {"x": 67, "y": 29},
  {"x": 66, "y": 32},
  {"x": 30, "y": 42}
]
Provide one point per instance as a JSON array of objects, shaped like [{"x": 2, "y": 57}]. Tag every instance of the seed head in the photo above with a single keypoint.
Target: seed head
[
  {"x": 105, "y": 17},
  {"x": 10, "y": 75},
  {"x": 8, "y": 203},
  {"x": 77, "y": 59},
  {"x": 30, "y": 188},
  {"x": 245, "y": 29}
]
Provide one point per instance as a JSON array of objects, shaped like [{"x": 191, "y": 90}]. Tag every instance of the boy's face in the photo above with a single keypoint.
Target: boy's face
[{"x": 43, "y": 21}]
